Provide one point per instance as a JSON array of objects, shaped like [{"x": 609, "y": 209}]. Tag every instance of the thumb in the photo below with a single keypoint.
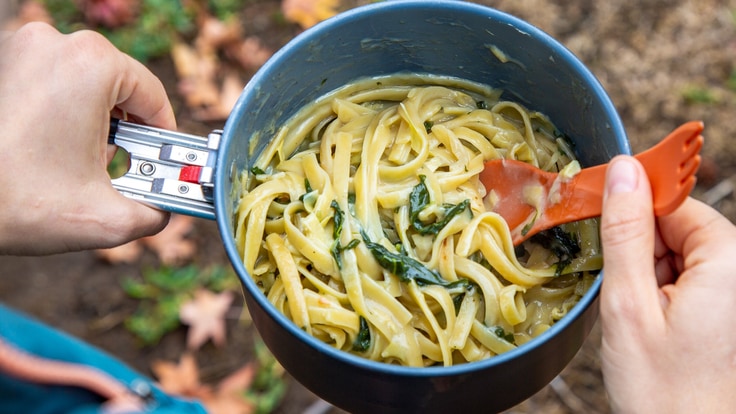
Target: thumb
[
  {"x": 127, "y": 219},
  {"x": 629, "y": 293}
]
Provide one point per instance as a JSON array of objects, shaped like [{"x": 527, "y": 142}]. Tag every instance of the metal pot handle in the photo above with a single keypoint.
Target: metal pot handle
[{"x": 169, "y": 170}]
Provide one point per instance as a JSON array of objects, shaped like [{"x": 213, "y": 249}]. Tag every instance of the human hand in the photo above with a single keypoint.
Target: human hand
[
  {"x": 57, "y": 93},
  {"x": 667, "y": 299}
]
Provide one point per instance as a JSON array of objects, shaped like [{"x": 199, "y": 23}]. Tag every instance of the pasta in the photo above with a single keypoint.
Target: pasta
[{"x": 364, "y": 222}]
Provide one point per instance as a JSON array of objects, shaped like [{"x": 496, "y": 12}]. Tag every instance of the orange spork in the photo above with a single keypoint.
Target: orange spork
[{"x": 670, "y": 166}]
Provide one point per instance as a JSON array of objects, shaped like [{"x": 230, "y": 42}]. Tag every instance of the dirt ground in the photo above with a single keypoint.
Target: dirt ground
[{"x": 663, "y": 62}]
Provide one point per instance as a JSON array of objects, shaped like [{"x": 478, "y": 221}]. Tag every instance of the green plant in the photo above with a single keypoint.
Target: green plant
[
  {"x": 158, "y": 24},
  {"x": 119, "y": 165},
  {"x": 268, "y": 386},
  {"x": 699, "y": 95},
  {"x": 153, "y": 33},
  {"x": 731, "y": 82},
  {"x": 162, "y": 292}
]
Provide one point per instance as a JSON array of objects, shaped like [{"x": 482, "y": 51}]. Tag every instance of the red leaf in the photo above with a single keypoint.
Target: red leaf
[{"x": 109, "y": 13}]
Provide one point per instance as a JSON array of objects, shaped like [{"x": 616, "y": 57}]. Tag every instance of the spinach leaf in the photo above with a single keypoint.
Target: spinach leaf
[
  {"x": 564, "y": 245},
  {"x": 501, "y": 333},
  {"x": 363, "y": 340},
  {"x": 419, "y": 200},
  {"x": 338, "y": 219},
  {"x": 407, "y": 268},
  {"x": 336, "y": 248},
  {"x": 428, "y": 126}
]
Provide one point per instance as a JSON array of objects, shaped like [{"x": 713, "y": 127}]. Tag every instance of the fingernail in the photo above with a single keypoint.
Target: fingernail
[{"x": 622, "y": 176}]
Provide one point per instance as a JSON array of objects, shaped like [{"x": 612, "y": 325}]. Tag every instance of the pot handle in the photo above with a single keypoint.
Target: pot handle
[{"x": 168, "y": 170}]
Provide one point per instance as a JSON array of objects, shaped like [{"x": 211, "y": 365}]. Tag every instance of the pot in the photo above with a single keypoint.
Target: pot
[{"x": 199, "y": 176}]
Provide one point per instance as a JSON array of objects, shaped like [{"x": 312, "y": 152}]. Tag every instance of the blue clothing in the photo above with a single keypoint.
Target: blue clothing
[{"x": 33, "y": 337}]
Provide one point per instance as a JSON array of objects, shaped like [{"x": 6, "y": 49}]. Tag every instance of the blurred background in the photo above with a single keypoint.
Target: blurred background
[{"x": 663, "y": 62}]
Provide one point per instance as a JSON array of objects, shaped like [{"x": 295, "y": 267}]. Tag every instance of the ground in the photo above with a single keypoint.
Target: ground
[{"x": 663, "y": 62}]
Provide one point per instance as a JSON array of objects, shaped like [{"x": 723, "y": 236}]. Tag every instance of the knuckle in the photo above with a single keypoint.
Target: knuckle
[
  {"x": 619, "y": 229},
  {"x": 88, "y": 44},
  {"x": 32, "y": 33}
]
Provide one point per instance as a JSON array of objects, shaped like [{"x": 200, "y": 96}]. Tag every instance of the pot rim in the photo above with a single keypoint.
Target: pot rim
[{"x": 251, "y": 91}]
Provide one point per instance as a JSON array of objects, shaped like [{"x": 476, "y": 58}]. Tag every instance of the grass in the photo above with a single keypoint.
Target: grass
[{"x": 162, "y": 291}]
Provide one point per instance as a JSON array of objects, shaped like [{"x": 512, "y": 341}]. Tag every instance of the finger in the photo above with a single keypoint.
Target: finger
[
  {"x": 702, "y": 239},
  {"x": 695, "y": 224},
  {"x": 142, "y": 95},
  {"x": 126, "y": 220},
  {"x": 666, "y": 263},
  {"x": 133, "y": 89},
  {"x": 629, "y": 294}
]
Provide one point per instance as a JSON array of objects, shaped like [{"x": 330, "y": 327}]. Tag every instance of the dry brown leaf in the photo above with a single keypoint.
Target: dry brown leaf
[
  {"x": 171, "y": 244},
  {"x": 197, "y": 75},
  {"x": 185, "y": 59},
  {"x": 238, "y": 381},
  {"x": 205, "y": 315},
  {"x": 230, "y": 403},
  {"x": 214, "y": 33},
  {"x": 307, "y": 13},
  {"x": 232, "y": 88},
  {"x": 182, "y": 378},
  {"x": 126, "y": 253},
  {"x": 249, "y": 53},
  {"x": 210, "y": 85},
  {"x": 228, "y": 397}
]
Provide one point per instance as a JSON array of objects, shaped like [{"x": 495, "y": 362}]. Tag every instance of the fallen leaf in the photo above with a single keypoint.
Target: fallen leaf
[
  {"x": 109, "y": 13},
  {"x": 205, "y": 315},
  {"x": 249, "y": 53},
  {"x": 238, "y": 381},
  {"x": 180, "y": 379},
  {"x": 125, "y": 253},
  {"x": 185, "y": 59},
  {"x": 228, "y": 397},
  {"x": 232, "y": 88},
  {"x": 197, "y": 75},
  {"x": 215, "y": 34},
  {"x": 307, "y": 13},
  {"x": 228, "y": 404},
  {"x": 171, "y": 245}
]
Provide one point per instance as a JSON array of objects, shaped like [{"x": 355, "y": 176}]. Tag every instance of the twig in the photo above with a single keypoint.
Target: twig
[
  {"x": 318, "y": 407},
  {"x": 560, "y": 387},
  {"x": 719, "y": 192}
]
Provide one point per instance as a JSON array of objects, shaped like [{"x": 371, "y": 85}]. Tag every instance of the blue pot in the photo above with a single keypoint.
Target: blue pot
[
  {"x": 443, "y": 38},
  {"x": 449, "y": 38}
]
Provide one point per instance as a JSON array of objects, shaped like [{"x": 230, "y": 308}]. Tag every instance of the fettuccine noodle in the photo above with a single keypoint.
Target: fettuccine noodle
[{"x": 364, "y": 222}]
